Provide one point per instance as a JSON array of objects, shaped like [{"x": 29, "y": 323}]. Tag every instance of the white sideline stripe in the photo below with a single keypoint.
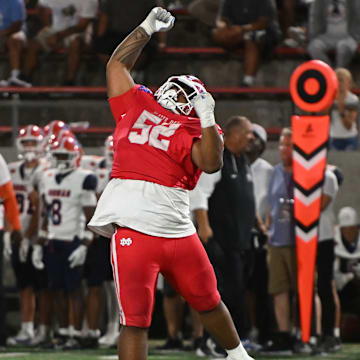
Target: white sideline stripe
[
  {"x": 308, "y": 164},
  {"x": 307, "y": 200},
  {"x": 108, "y": 357},
  {"x": 117, "y": 283},
  {"x": 13, "y": 355},
  {"x": 306, "y": 236}
]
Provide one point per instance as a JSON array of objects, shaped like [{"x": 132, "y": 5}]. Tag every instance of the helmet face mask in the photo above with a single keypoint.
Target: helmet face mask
[
  {"x": 63, "y": 161},
  {"x": 65, "y": 154},
  {"x": 177, "y": 92},
  {"x": 30, "y": 143}
]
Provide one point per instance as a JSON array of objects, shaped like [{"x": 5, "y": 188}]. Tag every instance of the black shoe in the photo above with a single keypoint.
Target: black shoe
[
  {"x": 171, "y": 345},
  {"x": 329, "y": 344},
  {"x": 303, "y": 348},
  {"x": 55, "y": 343},
  {"x": 195, "y": 344},
  {"x": 72, "y": 344},
  {"x": 89, "y": 343},
  {"x": 281, "y": 344},
  {"x": 210, "y": 348},
  {"x": 338, "y": 344}
]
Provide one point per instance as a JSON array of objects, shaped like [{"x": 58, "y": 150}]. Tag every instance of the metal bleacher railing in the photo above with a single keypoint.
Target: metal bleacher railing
[{"x": 13, "y": 97}]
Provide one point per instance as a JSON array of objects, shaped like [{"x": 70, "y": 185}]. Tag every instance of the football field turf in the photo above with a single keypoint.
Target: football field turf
[{"x": 349, "y": 352}]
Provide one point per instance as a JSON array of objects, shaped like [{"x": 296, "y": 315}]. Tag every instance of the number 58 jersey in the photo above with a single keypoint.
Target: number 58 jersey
[{"x": 65, "y": 195}]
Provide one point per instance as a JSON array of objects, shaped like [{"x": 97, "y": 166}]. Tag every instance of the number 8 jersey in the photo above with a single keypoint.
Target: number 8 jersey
[
  {"x": 65, "y": 195},
  {"x": 152, "y": 169}
]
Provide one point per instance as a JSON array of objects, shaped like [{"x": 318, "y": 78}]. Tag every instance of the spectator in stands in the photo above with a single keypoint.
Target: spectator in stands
[
  {"x": 205, "y": 10},
  {"x": 115, "y": 24},
  {"x": 8, "y": 206},
  {"x": 293, "y": 18},
  {"x": 344, "y": 114},
  {"x": 334, "y": 25},
  {"x": 281, "y": 246},
  {"x": 251, "y": 24},
  {"x": 325, "y": 261},
  {"x": 347, "y": 262},
  {"x": 286, "y": 13},
  {"x": 261, "y": 315},
  {"x": 226, "y": 220},
  {"x": 64, "y": 26},
  {"x": 12, "y": 34}
]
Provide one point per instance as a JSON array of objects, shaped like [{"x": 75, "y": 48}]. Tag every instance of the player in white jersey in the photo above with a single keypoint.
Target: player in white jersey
[
  {"x": 110, "y": 337},
  {"x": 9, "y": 211},
  {"x": 70, "y": 198},
  {"x": 97, "y": 270},
  {"x": 30, "y": 146}
]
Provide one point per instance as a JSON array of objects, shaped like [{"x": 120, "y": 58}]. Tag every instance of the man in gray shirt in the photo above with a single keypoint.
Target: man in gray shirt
[{"x": 334, "y": 25}]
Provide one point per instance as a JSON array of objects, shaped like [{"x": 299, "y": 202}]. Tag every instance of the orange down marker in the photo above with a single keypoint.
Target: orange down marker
[{"x": 313, "y": 87}]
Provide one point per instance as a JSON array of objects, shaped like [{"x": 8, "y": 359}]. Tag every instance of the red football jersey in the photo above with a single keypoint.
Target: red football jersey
[{"x": 152, "y": 143}]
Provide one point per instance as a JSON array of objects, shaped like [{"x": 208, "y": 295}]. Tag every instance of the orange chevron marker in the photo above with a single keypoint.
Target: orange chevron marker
[
  {"x": 313, "y": 87},
  {"x": 306, "y": 136},
  {"x": 308, "y": 178},
  {"x": 307, "y": 214}
]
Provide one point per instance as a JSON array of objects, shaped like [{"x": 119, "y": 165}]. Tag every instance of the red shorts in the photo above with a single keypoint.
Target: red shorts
[{"x": 138, "y": 258}]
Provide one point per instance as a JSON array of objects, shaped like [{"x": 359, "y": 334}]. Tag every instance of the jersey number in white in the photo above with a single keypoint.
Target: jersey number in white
[{"x": 151, "y": 132}]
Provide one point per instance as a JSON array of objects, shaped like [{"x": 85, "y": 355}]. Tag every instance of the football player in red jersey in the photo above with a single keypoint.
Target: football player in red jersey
[{"x": 162, "y": 143}]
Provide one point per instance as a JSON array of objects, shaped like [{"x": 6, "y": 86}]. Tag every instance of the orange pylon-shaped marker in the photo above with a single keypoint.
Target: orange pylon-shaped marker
[{"x": 313, "y": 88}]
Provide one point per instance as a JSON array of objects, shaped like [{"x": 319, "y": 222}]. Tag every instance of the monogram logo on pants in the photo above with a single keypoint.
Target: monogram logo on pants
[{"x": 125, "y": 242}]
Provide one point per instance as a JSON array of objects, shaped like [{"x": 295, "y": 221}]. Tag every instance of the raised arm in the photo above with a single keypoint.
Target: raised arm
[
  {"x": 125, "y": 55},
  {"x": 207, "y": 153}
]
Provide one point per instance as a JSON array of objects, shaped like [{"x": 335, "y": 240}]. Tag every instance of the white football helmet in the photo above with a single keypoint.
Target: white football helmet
[
  {"x": 65, "y": 154},
  {"x": 109, "y": 151},
  {"x": 187, "y": 85},
  {"x": 30, "y": 142}
]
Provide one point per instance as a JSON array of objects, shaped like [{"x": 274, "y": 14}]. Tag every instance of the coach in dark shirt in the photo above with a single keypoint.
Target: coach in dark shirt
[{"x": 226, "y": 219}]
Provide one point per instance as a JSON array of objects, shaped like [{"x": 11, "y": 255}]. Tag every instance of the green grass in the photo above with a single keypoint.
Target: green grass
[{"x": 349, "y": 352}]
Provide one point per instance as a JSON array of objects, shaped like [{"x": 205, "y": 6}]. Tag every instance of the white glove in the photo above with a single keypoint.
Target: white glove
[
  {"x": 78, "y": 256},
  {"x": 37, "y": 257},
  {"x": 24, "y": 249},
  {"x": 204, "y": 105},
  {"x": 342, "y": 279},
  {"x": 158, "y": 19},
  {"x": 7, "y": 246},
  {"x": 356, "y": 270}
]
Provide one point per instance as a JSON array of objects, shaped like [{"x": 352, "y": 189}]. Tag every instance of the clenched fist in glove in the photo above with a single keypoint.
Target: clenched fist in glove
[
  {"x": 24, "y": 249},
  {"x": 204, "y": 105},
  {"x": 78, "y": 256},
  {"x": 37, "y": 257},
  {"x": 158, "y": 19},
  {"x": 7, "y": 247}
]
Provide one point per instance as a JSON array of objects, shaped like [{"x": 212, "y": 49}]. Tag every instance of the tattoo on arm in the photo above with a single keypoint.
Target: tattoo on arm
[{"x": 130, "y": 48}]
